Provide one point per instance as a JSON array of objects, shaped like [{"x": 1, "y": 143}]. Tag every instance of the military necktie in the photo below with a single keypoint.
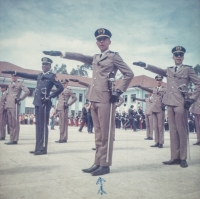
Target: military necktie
[{"x": 176, "y": 67}]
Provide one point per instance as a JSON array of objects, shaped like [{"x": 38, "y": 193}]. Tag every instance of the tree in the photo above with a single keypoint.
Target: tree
[
  {"x": 62, "y": 69},
  {"x": 197, "y": 69},
  {"x": 81, "y": 70}
]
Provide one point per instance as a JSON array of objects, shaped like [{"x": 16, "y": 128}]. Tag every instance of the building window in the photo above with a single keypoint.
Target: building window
[
  {"x": 125, "y": 98},
  {"x": 146, "y": 95},
  {"x": 132, "y": 97},
  {"x": 29, "y": 110},
  {"x": 80, "y": 97},
  {"x": 72, "y": 112}
]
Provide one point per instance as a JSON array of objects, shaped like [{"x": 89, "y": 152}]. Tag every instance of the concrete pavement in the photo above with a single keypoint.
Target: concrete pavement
[{"x": 137, "y": 170}]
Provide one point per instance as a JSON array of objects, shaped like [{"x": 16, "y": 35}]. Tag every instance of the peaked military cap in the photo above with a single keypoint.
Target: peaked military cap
[
  {"x": 64, "y": 81},
  {"x": 102, "y": 32},
  {"x": 158, "y": 77},
  {"x": 46, "y": 60},
  {"x": 178, "y": 49},
  {"x": 3, "y": 86}
]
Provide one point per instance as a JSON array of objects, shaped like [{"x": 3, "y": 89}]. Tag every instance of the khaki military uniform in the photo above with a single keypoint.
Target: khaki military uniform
[
  {"x": 3, "y": 115},
  {"x": 14, "y": 92},
  {"x": 175, "y": 102},
  {"x": 158, "y": 114},
  {"x": 195, "y": 109},
  {"x": 99, "y": 96},
  {"x": 148, "y": 115},
  {"x": 63, "y": 113}
]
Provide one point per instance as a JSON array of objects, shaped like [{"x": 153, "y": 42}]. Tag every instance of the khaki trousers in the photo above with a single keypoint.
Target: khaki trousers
[
  {"x": 197, "y": 125},
  {"x": 149, "y": 125},
  {"x": 13, "y": 122},
  {"x": 158, "y": 126},
  {"x": 101, "y": 117},
  {"x": 178, "y": 132},
  {"x": 3, "y": 124},
  {"x": 63, "y": 122}
]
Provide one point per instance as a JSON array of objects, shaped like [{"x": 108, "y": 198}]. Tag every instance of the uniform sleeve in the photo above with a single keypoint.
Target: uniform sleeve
[
  {"x": 79, "y": 57},
  {"x": 146, "y": 89},
  {"x": 26, "y": 90},
  {"x": 125, "y": 70},
  {"x": 74, "y": 98},
  {"x": 83, "y": 83},
  {"x": 26, "y": 75},
  {"x": 154, "y": 69},
  {"x": 58, "y": 85},
  {"x": 139, "y": 99},
  {"x": 196, "y": 81}
]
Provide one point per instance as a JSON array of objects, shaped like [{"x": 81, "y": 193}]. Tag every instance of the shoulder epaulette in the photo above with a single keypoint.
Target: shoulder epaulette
[
  {"x": 170, "y": 67},
  {"x": 188, "y": 66},
  {"x": 114, "y": 52}
]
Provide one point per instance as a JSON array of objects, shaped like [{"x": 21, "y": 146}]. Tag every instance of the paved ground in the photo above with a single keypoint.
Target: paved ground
[{"x": 137, "y": 171}]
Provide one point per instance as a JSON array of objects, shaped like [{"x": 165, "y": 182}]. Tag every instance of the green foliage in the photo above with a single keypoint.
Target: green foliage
[
  {"x": 197, "y": 69},
  {"x": 81, "y": 70},
  {"x": 62, "y": 69}
]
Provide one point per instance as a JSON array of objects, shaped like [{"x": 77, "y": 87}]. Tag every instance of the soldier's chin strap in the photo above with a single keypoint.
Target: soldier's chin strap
[{"x": 183, "y": 89}]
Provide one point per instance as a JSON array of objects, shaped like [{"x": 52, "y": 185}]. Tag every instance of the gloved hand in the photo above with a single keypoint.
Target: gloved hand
[
  {"x": 46, "y": 100},
  {"x": 8, "y": 72},
  {"x": 115, "y": 95},
  {"x": 141, "y": 64},
  {"x": 17, "y": 101},
  {"x": 73, "y": 80},
  {"x": 52, "y": 53},
  {"x": 66, "y": 105},
  {"x": 188, "y": 103},
  {"x": 163, "y": 107}
]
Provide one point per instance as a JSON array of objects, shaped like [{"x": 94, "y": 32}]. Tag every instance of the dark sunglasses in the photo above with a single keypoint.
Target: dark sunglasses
[
  {"x": 178, "y": 54},
  {"x": 102, "y": 39}
]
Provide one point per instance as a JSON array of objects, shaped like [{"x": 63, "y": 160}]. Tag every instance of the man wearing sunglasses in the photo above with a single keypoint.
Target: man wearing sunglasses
[
  {"x": 99, "y": 95},
  {"x": 45, "y": 82},
  {"x": 177, "y": 75}
]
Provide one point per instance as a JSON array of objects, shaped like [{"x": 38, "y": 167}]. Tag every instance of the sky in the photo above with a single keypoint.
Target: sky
[{"x": 141, "y": 30}]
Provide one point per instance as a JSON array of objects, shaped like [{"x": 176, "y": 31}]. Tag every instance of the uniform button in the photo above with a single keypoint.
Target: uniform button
[
  {"x": 95, "y": 78},
  {"x": 172, "y": 87},
  {"x": 173, "y": 82},
  {"x": 93, "y": 85}
]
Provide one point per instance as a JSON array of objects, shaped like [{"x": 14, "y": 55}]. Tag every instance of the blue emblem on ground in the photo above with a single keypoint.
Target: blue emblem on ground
[{"x": 100, "y": 181}]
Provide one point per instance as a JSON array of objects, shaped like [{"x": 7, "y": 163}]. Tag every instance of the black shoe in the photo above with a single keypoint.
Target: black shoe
[
  {"x": 101, "y": 171},
  {"x": 91, "y": 169},
  {"x": 11, "y": 143},
  {"x": 184, "y": 164},
  {"x": 79, "y": 130},
  {"x": 32, "y": 152},
  {"x": 160, "y": 146},
  {"x": 150, "y": 138},
  {"x": 155, "y": 145},
  {"x": 40, "y": 152},
  {"x": 58, "y": 141},
  {"x": 197, "y": 143},
  {"x": 62, "y": 141},
  {"x": 94, "y": 149},
  {"x": 2, "y": 138},
  {"x": 146, "y": 138},
  {"x": 172, "y": 161}
]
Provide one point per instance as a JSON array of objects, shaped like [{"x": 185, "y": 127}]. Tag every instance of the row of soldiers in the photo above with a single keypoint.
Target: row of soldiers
[{"x": 103, "y": 98}]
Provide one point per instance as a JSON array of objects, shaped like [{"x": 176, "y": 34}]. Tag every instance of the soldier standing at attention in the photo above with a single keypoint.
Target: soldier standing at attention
[
  {"x": 45, "y": 82},
  {"x": 62, "y": 107},
  {"x": 148, "y": 115},
  {"x": 195, "y": 109},
  {"x": 3, "y": 112},
  {"x": 13, "y": 107},
  {"x": 176, "y": 76},
  {"x": 99, "y": 95}
]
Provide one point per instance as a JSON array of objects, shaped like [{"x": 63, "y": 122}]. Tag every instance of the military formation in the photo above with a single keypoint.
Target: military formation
[{"x": 104, "y": 96}]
